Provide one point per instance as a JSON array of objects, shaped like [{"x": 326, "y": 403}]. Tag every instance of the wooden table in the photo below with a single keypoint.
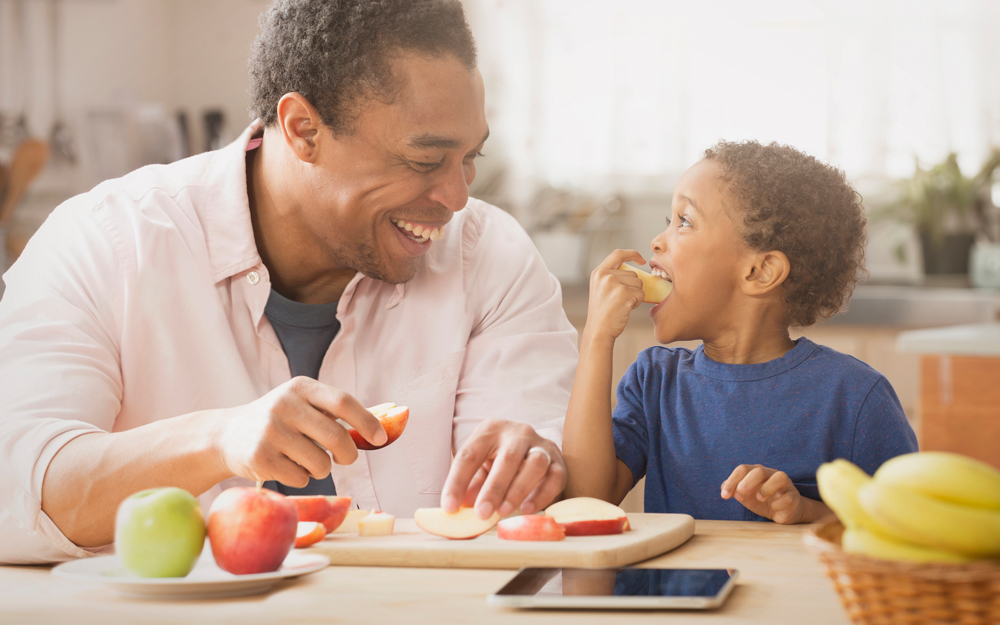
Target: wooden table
[{"x": 780, "y": 582}]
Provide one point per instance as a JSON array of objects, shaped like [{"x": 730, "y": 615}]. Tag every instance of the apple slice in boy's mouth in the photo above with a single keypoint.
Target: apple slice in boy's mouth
[{"x": 654, "y": 287}]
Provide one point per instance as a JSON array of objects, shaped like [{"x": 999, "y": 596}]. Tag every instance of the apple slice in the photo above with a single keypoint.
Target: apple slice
[
  {"x": 330, "y": 511},
  {"x": 654, "y": 289},
  {"x": 350, "y": 524},
  {"x": 458, "y": 525},
  {"x": 376, "y": 524},
  {"x": 532, "y": 527},
  {"x": 587, "y": 516},
  {"x": 309, "y": 533},
  {"x": 393, "y": 419}
]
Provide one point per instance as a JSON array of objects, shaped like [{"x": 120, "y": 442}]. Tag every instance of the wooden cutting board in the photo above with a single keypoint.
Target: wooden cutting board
[{"x": 651, "y": 535}]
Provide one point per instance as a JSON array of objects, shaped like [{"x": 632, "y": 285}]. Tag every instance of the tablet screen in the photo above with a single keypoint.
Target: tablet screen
[{"x": 565, "y": 582}]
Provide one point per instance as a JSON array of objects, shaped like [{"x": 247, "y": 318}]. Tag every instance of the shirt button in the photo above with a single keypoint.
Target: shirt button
[{"x": 253, "y": 277}]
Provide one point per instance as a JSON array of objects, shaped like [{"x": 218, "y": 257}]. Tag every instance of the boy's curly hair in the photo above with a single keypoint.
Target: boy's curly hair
[
  {"x": 793, "y": 203},
  {"x": 338, "y": 52}
]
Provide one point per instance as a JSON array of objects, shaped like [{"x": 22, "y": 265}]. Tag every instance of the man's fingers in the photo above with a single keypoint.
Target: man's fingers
[
  {"x": 476, "y": 484},
  {"x": 617, "y": 257},
  {"x": 339, "y": 405},
  {"x": 776, "y": 483},
  {"x": 506, "y": 464},
  {"x": 467, "y": 462},
  {"x": 289, "y": 473},
  {"x": 553, "y": 484},
  {"x": 531, "y": 473},
  {"x": 301, "y": 450}
]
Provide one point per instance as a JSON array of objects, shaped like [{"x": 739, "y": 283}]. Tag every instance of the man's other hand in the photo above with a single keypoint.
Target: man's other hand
[{"x": 505, "y": 465}]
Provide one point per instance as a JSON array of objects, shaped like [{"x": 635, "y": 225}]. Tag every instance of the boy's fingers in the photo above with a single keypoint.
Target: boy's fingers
[
  {"x": 778, "y": 482},
  {"x": 729, "y": 486},
  {"x": 782, "y": 501},
  {"x": 749, "y": 484},
  {"x": 617, "y": 257}
]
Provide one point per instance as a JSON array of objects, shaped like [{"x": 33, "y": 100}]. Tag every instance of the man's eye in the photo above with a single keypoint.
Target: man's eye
[{"x": 424, "y": 166}]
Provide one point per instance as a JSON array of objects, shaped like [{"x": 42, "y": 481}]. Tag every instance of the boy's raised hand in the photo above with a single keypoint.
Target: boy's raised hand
[
  {"x": 614, "y": 294},
  {"x": 767, "y": 492}
]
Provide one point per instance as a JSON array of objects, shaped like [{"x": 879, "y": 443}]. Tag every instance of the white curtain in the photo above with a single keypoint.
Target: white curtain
[{"x": 624, "y": 95}]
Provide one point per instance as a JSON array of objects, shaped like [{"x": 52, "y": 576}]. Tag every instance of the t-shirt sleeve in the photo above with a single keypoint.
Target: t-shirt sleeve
[
  {"x": 881, "y": 431},
  {"x": 629, "y": 423}
]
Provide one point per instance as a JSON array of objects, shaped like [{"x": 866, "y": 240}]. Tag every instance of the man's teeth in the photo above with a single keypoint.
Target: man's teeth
[{"x": 419, "y": 233}]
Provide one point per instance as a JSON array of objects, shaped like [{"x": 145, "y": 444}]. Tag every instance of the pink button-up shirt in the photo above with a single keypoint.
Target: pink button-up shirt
[{"x": 144, "y": 300}]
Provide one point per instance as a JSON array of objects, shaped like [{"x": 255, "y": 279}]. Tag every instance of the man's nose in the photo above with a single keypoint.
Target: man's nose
[{"x": 451, "y": 188}]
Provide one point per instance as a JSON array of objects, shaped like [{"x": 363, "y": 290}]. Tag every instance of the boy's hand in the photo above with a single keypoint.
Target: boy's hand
[
  {"x": 767, "y": 492},
  {"x": 614, "y": 294}
]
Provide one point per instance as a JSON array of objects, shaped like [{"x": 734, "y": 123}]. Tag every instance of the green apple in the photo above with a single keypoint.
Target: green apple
[{"x": 160, "y": 532}]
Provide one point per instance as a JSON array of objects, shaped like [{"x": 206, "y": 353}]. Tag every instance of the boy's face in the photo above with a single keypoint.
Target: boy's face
[{"x": 701, "y": 252}]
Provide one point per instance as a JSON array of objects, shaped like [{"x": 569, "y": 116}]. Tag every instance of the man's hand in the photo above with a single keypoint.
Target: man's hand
[
  {"x": 505, "y": 465},
  {"x": 770, "y": 493},
  {"x": 277, "y": 437},
  {"x": 614, "y": 294}
]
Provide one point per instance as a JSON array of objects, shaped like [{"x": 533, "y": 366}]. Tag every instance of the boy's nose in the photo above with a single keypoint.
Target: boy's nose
[{"x": 659, "y": 245}]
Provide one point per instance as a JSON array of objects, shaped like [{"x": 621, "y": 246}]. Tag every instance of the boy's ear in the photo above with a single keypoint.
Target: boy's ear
[
  {"x": 299, "y": 123},
  {"x": 766, "y": 272}
]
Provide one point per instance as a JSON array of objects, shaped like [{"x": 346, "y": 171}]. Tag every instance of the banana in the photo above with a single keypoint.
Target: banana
[
  {"x": 860, "y": 540},
  {"x": 913, "y": 517},
  {"x": 839, "y": 482},
  {"x": 951, "y": 477}
]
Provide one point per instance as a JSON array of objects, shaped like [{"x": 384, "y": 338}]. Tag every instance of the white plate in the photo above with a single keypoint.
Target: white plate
[{"x": 205, "y": 581}]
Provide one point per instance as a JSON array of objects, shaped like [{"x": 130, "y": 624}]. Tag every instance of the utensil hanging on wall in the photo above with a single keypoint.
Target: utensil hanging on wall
[{"x": 28, "y": 161}]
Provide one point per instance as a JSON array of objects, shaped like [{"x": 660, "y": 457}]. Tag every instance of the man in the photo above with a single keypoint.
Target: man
[{"x": 151, "y": 329}]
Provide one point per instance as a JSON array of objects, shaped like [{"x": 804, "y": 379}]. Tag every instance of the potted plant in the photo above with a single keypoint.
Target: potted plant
[{"x": 948, "y": 210}]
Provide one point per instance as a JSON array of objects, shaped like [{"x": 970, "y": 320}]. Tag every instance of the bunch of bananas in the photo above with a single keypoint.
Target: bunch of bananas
[{"x": 921, "y": 507}]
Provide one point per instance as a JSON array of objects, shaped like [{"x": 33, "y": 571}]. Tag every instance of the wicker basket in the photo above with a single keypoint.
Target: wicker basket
[{"x": 884, "y": 592}]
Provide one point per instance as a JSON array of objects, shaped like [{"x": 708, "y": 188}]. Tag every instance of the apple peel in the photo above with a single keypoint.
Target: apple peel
[{"x": 654, "y": 289}]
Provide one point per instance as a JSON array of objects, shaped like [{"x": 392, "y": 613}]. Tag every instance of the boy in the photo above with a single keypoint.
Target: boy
[{"x": 759, "y": 238}]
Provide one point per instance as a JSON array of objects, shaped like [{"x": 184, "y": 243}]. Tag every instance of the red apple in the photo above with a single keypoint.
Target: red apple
[
  {"x": 533, "y": 527},
  {"x": 587, "y": 516},
  {"x": 330, "y": 511},
  {"x": 309, "y": 533},
  {"x": 250, "y": 530},
  {"x": 458, "y": 525},
  {"x": 393, "y": 419}
]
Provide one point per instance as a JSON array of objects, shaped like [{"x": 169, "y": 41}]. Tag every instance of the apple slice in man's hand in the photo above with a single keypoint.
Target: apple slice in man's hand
[{"x": 393, "y": 419}]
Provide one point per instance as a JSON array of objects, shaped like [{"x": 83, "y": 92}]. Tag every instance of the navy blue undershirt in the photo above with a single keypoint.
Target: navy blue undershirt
[{"x": 305, "y": 332}]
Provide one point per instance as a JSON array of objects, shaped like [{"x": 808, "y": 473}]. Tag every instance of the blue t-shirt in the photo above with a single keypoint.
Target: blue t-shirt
[{"x": 685, "y": 421}]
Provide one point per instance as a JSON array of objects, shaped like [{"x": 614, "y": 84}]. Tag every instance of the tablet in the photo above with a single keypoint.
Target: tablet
[{"x": 616, "y": 589}]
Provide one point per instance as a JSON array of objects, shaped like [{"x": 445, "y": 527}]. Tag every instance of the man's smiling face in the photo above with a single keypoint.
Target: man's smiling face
[{"x": 381, "y": 195}]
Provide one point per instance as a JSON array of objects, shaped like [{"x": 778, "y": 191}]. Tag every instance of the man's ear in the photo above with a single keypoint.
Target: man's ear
[
  {"x": 766, "y": 272},
  {"x": 300, "y": 124}
]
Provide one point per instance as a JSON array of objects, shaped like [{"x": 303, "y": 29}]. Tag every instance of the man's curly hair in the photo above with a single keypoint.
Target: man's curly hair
[
  {"x": 337, "y": 53},
  {"x": 790, "y": 202}
]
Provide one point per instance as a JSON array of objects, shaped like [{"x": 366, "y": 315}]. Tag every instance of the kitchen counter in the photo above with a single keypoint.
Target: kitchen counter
[
  {"x": 780, "y": 582},
  {"x": 977, "y": 339}
]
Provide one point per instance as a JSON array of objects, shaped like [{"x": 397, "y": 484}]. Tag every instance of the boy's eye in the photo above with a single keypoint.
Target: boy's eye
[{"x": 685, "y": 222}]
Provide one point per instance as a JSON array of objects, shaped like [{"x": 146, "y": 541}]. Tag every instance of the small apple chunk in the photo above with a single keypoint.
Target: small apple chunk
[
  {"x": 376, "y": 524},
  {"x": 393, "y": 419},
  {"x": 459, "y": 525},
  {"x": 251, "y": 531},
  {"x": 587, "y": 516},
  {"x": 533, "y": 527},
  {"x": 350, "y": 524},
  {"x": 309, "y": 533},
  {"x": 654, "y": 289},
  {"x": 159, "y": 532}
]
